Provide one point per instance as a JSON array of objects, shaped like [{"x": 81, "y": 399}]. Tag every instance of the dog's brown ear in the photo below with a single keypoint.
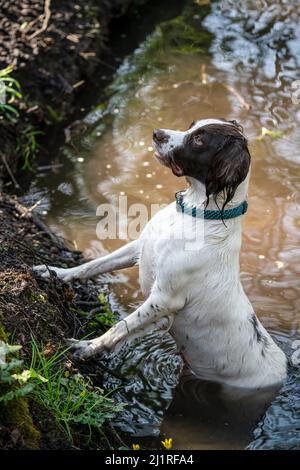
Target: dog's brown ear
[{"x": 229, "y": 167}]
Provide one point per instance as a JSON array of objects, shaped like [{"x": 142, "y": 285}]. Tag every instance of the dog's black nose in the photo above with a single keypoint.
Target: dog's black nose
[{"x": 160, "y": 136}]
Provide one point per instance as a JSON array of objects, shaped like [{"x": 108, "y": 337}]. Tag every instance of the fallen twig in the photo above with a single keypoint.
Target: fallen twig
[
  {"x": 116, "y": 434},
  {"x": 47, "y": 15},
  {"x": 238, "y": 96},
  {"x": 49, "y": 167},
  {"x": 86, "y": 303},
  {"x": 28, "y": 214},
  {"x": 10, "y": 172}
]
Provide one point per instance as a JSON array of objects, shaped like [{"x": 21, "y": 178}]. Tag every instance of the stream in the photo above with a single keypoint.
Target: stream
[{"x": 235, "y": 60}]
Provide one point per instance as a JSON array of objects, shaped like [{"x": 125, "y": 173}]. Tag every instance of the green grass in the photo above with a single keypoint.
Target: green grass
[
  {"x": 79, "y": 408},
  {"x": 11, "y": 91},
  {"x": 71, "y": 398},
  {"x": 55, "y": 117}
]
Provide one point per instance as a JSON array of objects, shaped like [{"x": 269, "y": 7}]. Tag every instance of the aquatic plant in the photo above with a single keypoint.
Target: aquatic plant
[
  {"x": 272, "y": 134},
  {"x": 181, "y": 35}
]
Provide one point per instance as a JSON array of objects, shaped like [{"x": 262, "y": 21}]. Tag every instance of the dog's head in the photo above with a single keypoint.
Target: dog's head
[{"x": 213, "y": 151}]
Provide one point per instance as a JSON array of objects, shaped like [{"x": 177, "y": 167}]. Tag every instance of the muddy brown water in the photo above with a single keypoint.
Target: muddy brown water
[{"x": 246, "y": 72}]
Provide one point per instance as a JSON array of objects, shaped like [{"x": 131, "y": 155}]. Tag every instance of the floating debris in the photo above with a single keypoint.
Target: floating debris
[{"x": 272, "y": 134}]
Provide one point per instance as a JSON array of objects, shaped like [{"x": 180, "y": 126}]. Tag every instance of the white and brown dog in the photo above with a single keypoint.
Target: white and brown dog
[{"x": 195, "y": 294}]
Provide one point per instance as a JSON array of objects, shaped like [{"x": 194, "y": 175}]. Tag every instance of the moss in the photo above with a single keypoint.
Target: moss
[
  {"x": 35, "y": 296},
  {"x": 3, "y": 335},
  {"x": 107, "y": 317},
  {"x": 101, "y": 319},
  {"x": 3, "y": 249},
  {"x": 16, "y": 416},
  {"x": 171, "y": 39}
]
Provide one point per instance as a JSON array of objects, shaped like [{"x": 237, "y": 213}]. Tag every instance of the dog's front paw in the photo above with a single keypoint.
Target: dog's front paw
[
  {"x": 44, "y": 271},
  {"x": 84, "y": 349}
]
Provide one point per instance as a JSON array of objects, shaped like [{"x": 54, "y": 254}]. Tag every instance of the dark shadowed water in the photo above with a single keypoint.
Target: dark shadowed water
[{"x": 236, "y": 60}]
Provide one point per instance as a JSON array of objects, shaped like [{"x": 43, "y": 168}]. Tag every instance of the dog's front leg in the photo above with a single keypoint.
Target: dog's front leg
[
  {"x": 158, "y": 311},
  {"x": 124, "y": 257}
]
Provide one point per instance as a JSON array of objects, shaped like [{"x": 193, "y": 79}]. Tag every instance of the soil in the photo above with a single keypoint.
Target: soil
[{"x": 28, "y": 305}]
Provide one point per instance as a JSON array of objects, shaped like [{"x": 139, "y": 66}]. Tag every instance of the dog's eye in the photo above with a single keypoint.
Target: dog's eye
[{"x": 198, "y": 139}]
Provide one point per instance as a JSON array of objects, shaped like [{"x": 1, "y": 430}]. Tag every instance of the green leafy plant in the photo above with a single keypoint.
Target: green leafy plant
[
  {"x": 101, "y": 318},
  {"x": 107, "y": 317},
  {"x": 28, "y": 145},
  {"x": 10, "y": 90},
  {"x": 72, "y": 399},
  {"x": 14, "y": 383}
]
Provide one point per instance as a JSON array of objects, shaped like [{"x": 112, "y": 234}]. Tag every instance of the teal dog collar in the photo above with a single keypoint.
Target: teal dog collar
[{"x": 209, "y": 214}]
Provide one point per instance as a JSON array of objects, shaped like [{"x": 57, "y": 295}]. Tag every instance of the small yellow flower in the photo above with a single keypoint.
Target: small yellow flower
[
  {"x": 136, "y": 446},
  {"x": 168, "y": 443}
]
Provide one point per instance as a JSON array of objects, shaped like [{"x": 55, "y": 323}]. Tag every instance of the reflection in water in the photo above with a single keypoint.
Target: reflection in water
[
  {"x": 151, "y": 369},
  {"x": 215, "y": 413},
  {"x": 242, "y": 68},
  {"x": 280, "y": 427}
]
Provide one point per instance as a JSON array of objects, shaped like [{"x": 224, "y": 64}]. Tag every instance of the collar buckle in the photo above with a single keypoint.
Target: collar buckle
[{"x": 244, "y": 207}]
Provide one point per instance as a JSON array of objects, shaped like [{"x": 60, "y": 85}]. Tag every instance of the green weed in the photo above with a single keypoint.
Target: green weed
[
  {"x": 14, "y": 382},
  {"x": 10, "y": 91},
  {"x": 71, "y": 399},
  {"x": 28, "y": 145}
]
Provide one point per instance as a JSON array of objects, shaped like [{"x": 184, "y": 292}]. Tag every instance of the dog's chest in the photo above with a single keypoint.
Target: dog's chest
[
  {"x": 147, "y": 268},
  {"x": 158, "y": 237},
  {"x": 168, "y": 244}
]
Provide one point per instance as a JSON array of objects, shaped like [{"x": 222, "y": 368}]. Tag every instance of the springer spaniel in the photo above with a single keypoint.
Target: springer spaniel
[{"x": 193, "y": 290}]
